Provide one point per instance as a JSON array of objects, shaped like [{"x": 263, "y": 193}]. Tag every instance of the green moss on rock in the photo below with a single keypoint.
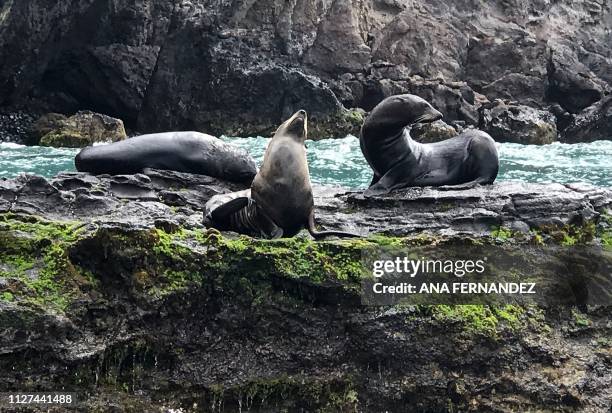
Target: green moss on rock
[
  {"x": 481, "y": 319},
  {"x": 33, "y": 254},
  {"x": 64, "y": 138}
]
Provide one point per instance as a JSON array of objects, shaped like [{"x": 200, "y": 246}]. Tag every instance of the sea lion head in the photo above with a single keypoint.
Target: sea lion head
[
  {"x": 398, "y": 111},
  {"x": 296, "y": 126}
]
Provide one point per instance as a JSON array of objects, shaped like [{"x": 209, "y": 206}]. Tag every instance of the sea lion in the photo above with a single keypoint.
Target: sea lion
[
  {"x": 191, "y": 152},
  {"x": 397, "y": 161},
  {"x": 279, "y": 202}
]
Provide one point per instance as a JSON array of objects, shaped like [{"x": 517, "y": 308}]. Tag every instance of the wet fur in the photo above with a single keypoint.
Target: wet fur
[
  {"x": 398, "y": 161},
  {"x": 280, "y": 202}
]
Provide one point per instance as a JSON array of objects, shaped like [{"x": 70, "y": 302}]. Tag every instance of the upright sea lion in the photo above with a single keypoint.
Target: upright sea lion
[
  {"x": 191, "y": 152},
  {"x": 279, "y": 202},
  {"x": 397, "y": 161}
]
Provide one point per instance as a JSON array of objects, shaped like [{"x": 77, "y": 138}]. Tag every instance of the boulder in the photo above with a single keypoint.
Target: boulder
[
  {"x": 47, "y": 123},
  {"x": 82, "y": 129},
  {"x": 518, "y": 124},
  {"x": 592, "y": 124},
  {"x": 432, "y": 132},
  {"x": 571, "y": 83}
]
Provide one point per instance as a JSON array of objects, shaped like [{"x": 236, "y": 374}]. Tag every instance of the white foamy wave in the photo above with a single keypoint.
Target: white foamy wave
[{"x": 10, "y": 145}]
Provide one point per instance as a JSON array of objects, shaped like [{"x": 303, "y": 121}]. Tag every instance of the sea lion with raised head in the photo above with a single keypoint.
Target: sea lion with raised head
[
  {"x": 190, "y": 152},
  {"x": 398, "y": 161},
  {"x": 279, "y": 202}
]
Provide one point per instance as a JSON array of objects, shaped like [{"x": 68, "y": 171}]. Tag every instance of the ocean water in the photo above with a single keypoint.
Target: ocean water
[{"x": 340, "y": 162}]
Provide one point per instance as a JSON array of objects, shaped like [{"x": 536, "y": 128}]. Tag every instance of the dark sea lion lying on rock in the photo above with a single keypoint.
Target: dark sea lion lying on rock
[
  {"x": 398, "y": 161},
  {"x": 279, "y": 202},
  {"x": 191, "y": 152}
]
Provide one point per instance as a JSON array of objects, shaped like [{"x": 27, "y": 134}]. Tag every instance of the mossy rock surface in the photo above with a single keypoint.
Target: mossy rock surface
[
  {"x": 82, "y": 129},
  {"x": 186, "y": 318},
  {"x": 64, "y": 139}
]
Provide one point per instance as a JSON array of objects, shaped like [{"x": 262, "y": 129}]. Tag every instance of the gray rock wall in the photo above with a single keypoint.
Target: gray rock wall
[{"x": 240, "y": 67}]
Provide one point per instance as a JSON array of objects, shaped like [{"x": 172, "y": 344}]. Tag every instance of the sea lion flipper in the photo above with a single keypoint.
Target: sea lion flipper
[
  {"x": 375, "y": 179},
  {"x": 321, "y": 234},
  {"x": 230, "y": 207},
  {"x": 468, "y": 185},
  {"x": 389, "y": 181}
]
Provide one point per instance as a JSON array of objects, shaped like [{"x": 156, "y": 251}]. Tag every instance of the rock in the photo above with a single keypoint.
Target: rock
[
  {"x": 47, "y": 123},
  {"x": 513, "y": 69},
  {"x": 518, "y": 124},
  {"x": 426, "y": 45},
  {"x": 517, "y": 87},
  {"x": 456, "y": 101},
  {"x": 571, "y": 83},
  {"x": 118, "y": 293},
  {"x": 242, "y": 98},
  {"x": 339, "y": 46},
  {"x": 432, "y": 132},
  {"x": 147, "y": 198},
  {"x": 115, "y": 77},
  {"x": 593, "y": 123},
  {"x": 14, "y": 126},
  {"x": 82, "y": 129},
  {"x": 238, "y": 68},
  {"x": 564, "y": 118}
]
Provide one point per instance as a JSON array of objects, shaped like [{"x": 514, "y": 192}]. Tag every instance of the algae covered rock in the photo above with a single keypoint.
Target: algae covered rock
[
  {"x": 342, "y": 123},
  {"x": 432, "y": 132},
  {"x": 143, "y": 317},
  {"x": 82, "y": 129},
  {"x": 518, "y": 124}
]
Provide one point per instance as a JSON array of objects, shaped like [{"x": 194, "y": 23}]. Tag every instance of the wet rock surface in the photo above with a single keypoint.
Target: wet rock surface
[
  {"x": 110, "y": 287},
  {"x": 240, "y": 68},
  {"x": 178, "y": 199}
]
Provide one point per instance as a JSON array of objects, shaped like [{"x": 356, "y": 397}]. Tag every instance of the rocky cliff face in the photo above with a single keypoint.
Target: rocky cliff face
[{"x": 240, "y": 67}]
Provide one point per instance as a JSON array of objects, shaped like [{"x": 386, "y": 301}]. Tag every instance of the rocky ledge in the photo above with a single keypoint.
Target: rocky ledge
[{"x": 111, "y": 288}]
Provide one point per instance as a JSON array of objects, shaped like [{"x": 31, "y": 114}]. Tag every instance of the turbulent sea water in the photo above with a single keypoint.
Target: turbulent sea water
[{"x": 340, "y": 162}]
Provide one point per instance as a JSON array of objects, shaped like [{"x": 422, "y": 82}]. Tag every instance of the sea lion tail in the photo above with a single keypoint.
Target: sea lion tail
[{"x": 322, "y": 234}]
